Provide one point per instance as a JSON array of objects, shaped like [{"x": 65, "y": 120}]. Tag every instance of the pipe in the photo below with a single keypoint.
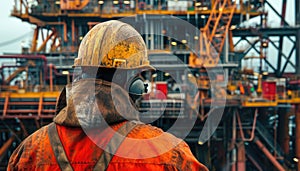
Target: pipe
[
  {"x": 65, "y": 32},
  {"x": 51, "y": 77},
  {"x": 252, "y": 160},
  {"x": 268, "y": 154},
  {"x": 73, "y": 32},
  {"x": 241, "y": 127},
  {"x": 26, "y": 57},
  {"x": 5, "y": 108},
  {"x": 283, "y": 12},
  {"x": 241, "y": 157}
]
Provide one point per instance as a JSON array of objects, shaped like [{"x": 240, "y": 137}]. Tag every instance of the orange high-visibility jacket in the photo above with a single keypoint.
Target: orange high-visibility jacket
[
  {"x": 64, "y": 145},
  {"x": 36, "y": 153}
]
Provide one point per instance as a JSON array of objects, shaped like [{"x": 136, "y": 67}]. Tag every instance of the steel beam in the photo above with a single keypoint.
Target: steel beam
[
  {"x": 297, "y": 136},
  {"x": 5, "y": 146},
  {"x": 269, "y": 155},
  {"x": 266, "y": 32}
]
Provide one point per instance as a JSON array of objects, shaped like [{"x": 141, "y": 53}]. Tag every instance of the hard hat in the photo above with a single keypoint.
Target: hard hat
[
  {"x": 113, "y": 44},
  {"x": 114, "y": 51}
]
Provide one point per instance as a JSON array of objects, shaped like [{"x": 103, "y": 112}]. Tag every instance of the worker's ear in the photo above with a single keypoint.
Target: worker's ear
[{"x": 62, "y": 101}]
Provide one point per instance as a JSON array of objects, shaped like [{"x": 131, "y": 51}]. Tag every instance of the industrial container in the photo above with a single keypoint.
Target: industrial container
[{"x": 269, "y": 89}]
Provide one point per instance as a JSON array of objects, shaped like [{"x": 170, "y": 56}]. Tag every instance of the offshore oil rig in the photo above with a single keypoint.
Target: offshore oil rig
[{"x": 249, "y": 71}]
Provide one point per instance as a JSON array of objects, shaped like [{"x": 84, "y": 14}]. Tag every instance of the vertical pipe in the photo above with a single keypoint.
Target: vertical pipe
[
  {"x": 51, "y": 77},
  {"x": 151, "y": 35},
  {"x": 297, "y": 8},
  {"x": 137, "y": 5},
  {"x": 241, "y": 157},
  {"x": 283, "y": 12},
  {"x": 283, "y": 133},
  {"x": 65, "y": 32},
  {"x": 73, "y": 32},
  {"x": 297, "y": 132},
  {"x": 233, "y": 166}
]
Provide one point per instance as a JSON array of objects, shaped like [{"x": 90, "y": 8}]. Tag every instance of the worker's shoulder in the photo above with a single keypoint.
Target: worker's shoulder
[
  {"x": 30, "y": 148},
  {"x": 34, "y": 140},
  {"x": 151, "y": 148},
  {"x": 146, "y": 131},
  {"x": 159, "y": 139}
]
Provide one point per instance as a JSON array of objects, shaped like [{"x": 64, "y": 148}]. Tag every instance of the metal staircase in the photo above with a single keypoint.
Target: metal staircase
[{"x": 268, "y": 138}]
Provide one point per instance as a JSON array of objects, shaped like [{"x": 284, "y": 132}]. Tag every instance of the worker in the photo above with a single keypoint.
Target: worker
[{"x": 97, "y": 126}]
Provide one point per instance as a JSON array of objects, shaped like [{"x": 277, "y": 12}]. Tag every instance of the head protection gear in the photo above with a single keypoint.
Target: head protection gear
[{"x": 111, "y": 48}]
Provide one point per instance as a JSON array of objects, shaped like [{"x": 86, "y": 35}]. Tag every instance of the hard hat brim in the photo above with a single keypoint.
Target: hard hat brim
[{"x": 141, "y": 67}]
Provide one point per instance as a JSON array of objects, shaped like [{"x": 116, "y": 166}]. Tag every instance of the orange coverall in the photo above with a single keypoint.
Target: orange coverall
[{"x": 36, "y": 151}]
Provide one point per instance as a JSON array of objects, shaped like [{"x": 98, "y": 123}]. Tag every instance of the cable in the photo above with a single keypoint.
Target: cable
[{"x": 14, "y": 40}]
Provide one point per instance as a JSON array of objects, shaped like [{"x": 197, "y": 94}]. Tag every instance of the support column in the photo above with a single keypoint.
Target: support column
[
  {"x": 297, "y": 140},
  {"x": 241, "y": 157},
  {"x": 35, "y": 39},
  {"x": 298, "y": 51},
  {"x": 283, "y": 130},
  {"x": 297, "y": 6}
]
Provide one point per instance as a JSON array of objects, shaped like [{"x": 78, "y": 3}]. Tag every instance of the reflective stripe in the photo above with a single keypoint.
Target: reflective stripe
[
  {"x": 113, "y": 145},
  {"x": 105, "y": 157},
  {"x": 58, "y": 149}
]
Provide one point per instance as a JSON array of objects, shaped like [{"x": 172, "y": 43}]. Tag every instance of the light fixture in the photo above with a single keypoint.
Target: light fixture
[
  {"x": 232, "y": 27},
  {"x": 264, "y": 43},
  {"x": 81, "y": 37},
  {"x": 296, "y": 159},
  {"x": 173, "y": 43},
  {"x": 196, "y": 37},
  {"x": 57, "y": 2},
  {"x": 183, "y": 41},
  {"x": 200, "y": 142},
  {"x": 100, "y": 2},
  {"x": 115, "y": 2},
  {"x": 126, "y": 2},
  {"x": 265, "y": 73},
  {"x": 65, "y": 73},
  {"x": 203, "y": 16},
  {"x": 190, "y": 75},
  {"x": 167, "y": 74},
  {"x": 154, "y": 75},
  {"x": 197, "y": 4}
]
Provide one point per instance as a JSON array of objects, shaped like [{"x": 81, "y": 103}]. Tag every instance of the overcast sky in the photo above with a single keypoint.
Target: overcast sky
[{"x": 14, "y": 30}]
